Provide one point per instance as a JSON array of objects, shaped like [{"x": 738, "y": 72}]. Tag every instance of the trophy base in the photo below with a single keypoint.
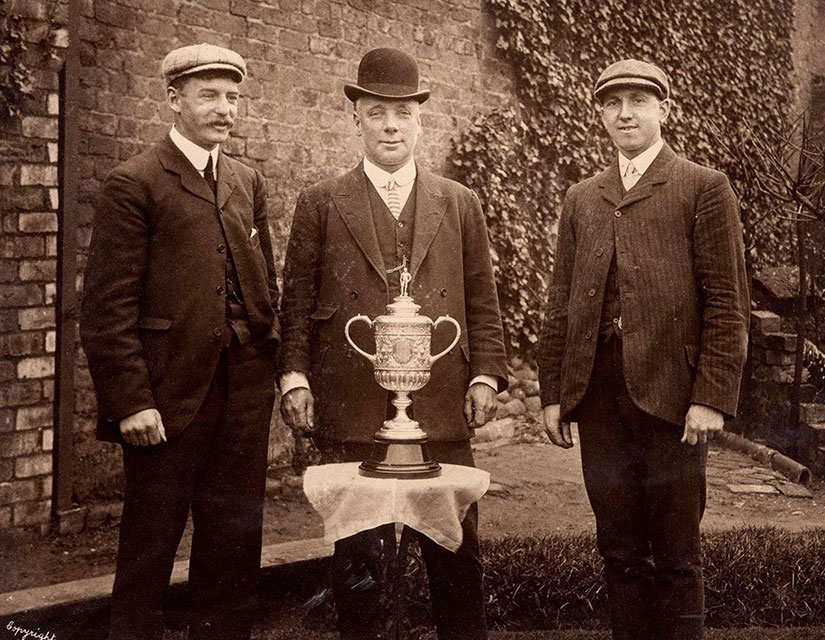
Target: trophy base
[{"x": 409, "y": 459}]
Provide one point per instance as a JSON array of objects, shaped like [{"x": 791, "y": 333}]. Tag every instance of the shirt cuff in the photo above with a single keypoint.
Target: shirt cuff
[
  {"x": 293, "y": 380},
  {"x": 490, "y": 381}
]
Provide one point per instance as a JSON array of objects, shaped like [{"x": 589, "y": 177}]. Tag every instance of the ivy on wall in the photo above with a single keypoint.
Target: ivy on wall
[{"x": 729, "y": 63}]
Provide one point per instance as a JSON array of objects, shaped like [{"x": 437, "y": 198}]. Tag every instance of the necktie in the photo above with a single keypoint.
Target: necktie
[
  {"x": 209, "y": 175},
  {"x": 631, "y": 176},
  {"x": 393, "y": 199}
]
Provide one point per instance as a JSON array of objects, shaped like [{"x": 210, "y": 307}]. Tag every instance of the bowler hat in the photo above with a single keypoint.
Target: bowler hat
[
  {"x": 387, "y": 73},
  {"x": 633, "y": 73},
  {"x": 202, "y": 57}
]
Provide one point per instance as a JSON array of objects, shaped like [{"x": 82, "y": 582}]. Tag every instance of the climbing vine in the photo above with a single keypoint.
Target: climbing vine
[{"x": 729, "y": 63}]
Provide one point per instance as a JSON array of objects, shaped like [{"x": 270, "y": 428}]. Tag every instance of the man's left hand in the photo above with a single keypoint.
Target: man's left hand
[
  {"x": 702, "y": 423},
  {"x": 479, "y": 404}
]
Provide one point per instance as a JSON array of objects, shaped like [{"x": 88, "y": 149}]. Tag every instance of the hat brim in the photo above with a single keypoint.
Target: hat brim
[
  {"x": 353, "y": 92},
  {"x": 212, "y": 66},
  {"x": 630, "y": 82}
]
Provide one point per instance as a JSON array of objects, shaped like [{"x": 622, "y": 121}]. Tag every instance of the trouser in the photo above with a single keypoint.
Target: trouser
[
  {"x": 647, "y": 490},
  {"x": 455, "y": 578},
  {"x": 217, "y": 465}
]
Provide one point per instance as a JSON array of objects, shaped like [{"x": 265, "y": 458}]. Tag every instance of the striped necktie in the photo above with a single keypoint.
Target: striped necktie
[{"x": 393, "y": 198}]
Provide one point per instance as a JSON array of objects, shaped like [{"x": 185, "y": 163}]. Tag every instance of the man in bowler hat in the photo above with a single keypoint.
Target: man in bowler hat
[
  {"x": 350, "y": 237},
  {"x": 179, "y": 323},
  {"x": 643, "y": 344}
]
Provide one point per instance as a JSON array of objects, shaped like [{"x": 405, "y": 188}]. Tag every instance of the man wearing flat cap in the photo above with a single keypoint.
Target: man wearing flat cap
[
  {"x": 643, "y": 344},
  {"x": 179, "y": 323},
  {"x": 351, "y": 237}
]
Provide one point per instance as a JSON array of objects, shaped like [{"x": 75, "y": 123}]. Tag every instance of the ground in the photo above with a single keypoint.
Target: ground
[{"x": 535, "y": 489}]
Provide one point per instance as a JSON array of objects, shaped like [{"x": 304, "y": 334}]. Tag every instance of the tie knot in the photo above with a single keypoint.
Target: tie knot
[
  {"x": 631, "y": 169},
  {"x": 391, "y": 184}
]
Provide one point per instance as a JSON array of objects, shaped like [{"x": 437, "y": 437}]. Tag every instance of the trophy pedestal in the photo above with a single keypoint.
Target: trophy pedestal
[{"x": 400, "y": 459}]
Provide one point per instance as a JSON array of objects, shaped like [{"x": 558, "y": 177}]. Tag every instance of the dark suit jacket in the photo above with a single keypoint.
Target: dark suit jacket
[
  {"x": 334, "y": 270},
  {"x": 153, "y": 316},
  {"x": 681, "y": 275}
]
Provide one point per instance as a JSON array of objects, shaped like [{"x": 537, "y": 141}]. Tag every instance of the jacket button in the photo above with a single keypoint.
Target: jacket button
[
  {"x": 617, "y": 213},
  {"x": 599, "y": 251},
  {"x": 400, "y": 225},
  {"x": 221, "y": 248},
  {"x": 591, "y": 293},
  {"x": 219, "y": 290},
  {"x": 443, "y": 293},
  {"x": 217, "y": 331},
  {"x": 353, "y": 294},
  {"x": 588, "y": 335},
  {"x": 349, "y": 352}
]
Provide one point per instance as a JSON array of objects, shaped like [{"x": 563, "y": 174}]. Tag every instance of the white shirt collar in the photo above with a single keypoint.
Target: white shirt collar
[
  {"x": 379, "y": 178},
  {"x": 198, "y": 156},
  {"x": 643, "y": 160}
]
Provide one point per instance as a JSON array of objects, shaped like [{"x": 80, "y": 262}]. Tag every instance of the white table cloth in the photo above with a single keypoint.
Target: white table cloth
[{"x": 349, "y": 502}]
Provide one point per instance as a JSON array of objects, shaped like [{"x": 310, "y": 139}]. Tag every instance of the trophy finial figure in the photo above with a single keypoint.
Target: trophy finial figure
[{"x": 405, "y": 278}]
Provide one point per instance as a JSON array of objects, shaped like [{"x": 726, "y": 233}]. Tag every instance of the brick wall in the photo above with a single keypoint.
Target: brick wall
[
  {"x": 28, "y": 248},
  {"x": 294, "y": 122}
]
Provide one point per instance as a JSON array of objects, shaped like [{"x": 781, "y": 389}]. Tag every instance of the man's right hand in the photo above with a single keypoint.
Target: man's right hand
[
  {"x": 298, "y": 410},
  {"x": 557, "y": 431},
  {"x": 143, "y": 428}
]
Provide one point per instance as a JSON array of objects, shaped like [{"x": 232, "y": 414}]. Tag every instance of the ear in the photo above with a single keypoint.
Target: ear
[
  {"x": 172, "y": 98},
  {"x": 356, "y": 120},
  {"x": 664, "y": 109}
]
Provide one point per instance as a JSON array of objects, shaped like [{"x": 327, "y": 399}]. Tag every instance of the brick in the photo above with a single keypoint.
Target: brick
[
  {"x": 36, "y": 318},
  {"x": 7, "y": 372},
  {"x": 51, "y": 245},
  {"x": 32, "y": 513},
  {"x": 46, "y": 487},
  {"x": 34, "y": 9},
  {"x": 51, "y": 341},
  {"x": 34, "y": 368},
  {"x": 292, "y": 40},
  {"x": 22, "y": 247},
  {"x": 7, "y": 417},
  {"x": 763, "y": 322},
  {"x": 38, "y": 174},
  {"x": 41, "y": 222},
  {"x": 8, "y": 321},
  {"x": 776, "y": 340},
  {"x": 30, "y": 466},
  {"x": 40, "y": 127},
  {"x": 54, "y": 198},
  {"x": 772, "y": 357},
  {"x": 38, "y": 270},
  {"x": 115, "y": 15},
  {"x": 8, "y": 270},
  {"x": 8, "y": 174},
  {"x": 47, "y": 440},
  {"x": 20, "y": 393},
  {"x": 41, "y": 416},
  {"x": 21, "y": 443},
  {"x": 22, "y": 198},
  {"x": 6, "y": 470},
  {"x": 20, "y": 295},
  {"x": 54, "y": 152},
  {"x": 20, "y": 344},
  {"x": 48, "y": 390},
  {"x": 51, "y": 292}
]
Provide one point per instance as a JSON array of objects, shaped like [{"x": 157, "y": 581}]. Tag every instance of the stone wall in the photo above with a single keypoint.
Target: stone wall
[{"x": 29, "y": 202}]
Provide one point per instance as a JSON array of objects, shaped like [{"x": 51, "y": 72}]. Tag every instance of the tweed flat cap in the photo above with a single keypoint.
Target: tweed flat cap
[
  {"x": 201, "y": 57},
  {"x": 633, "y": 73},
  {"x": 387, "y": 73}
]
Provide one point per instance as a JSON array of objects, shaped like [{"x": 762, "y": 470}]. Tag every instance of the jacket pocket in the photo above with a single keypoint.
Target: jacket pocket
[
  {"x": 154, "y": 324},
  {"x": 324, "y": 311}
]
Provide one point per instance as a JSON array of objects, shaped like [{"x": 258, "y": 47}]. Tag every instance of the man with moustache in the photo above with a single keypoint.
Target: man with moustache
[
  {"x": 350, "y": 238},
  {"x": 643, "y": 344},
  {"x": 179, "y": 323}
]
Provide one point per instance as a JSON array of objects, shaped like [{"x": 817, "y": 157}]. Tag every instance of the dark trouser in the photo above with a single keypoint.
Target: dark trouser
[
  {"x": 647, "y": 491},
  {"x": 456, "y": 578},
  {"x": 217, "y": 465}
]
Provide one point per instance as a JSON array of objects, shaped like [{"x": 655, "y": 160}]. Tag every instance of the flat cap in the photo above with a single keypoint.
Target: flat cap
[
  {"x": 633, "y": 73},
  {"x": 202, "y": 57}
]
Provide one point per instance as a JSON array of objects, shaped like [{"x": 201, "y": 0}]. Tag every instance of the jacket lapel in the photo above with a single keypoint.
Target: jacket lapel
[
  {"x": 430, "y": 207},
  {"x": 226, "y": 181},
  {"x": 609, "y": 184},
  {"x": 352, "y": 201},
  {"x": 173, "y": 160},
  {"x": 609, "y": 181}
]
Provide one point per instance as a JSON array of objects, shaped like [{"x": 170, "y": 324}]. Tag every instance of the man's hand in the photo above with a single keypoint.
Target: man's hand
[
  {"x": 143, "y": 428},
  {"x": 702, "y": 423},
  {"x": 479, "y": 404},
  {"x": 298, "y": 410},
  {"x": 557, "y": 431}
]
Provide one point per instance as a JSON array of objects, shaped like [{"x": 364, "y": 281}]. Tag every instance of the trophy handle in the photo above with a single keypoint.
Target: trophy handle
[
  {"x": 363, "y": 318},
  {"x": 453, "y": 343}
]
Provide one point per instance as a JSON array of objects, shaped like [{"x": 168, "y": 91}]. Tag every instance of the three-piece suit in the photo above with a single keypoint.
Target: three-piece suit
[
  {"x": 343, "y": 243},
  {"x": 158, "y": 332},
  {"x": 669, "y": 250}
]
